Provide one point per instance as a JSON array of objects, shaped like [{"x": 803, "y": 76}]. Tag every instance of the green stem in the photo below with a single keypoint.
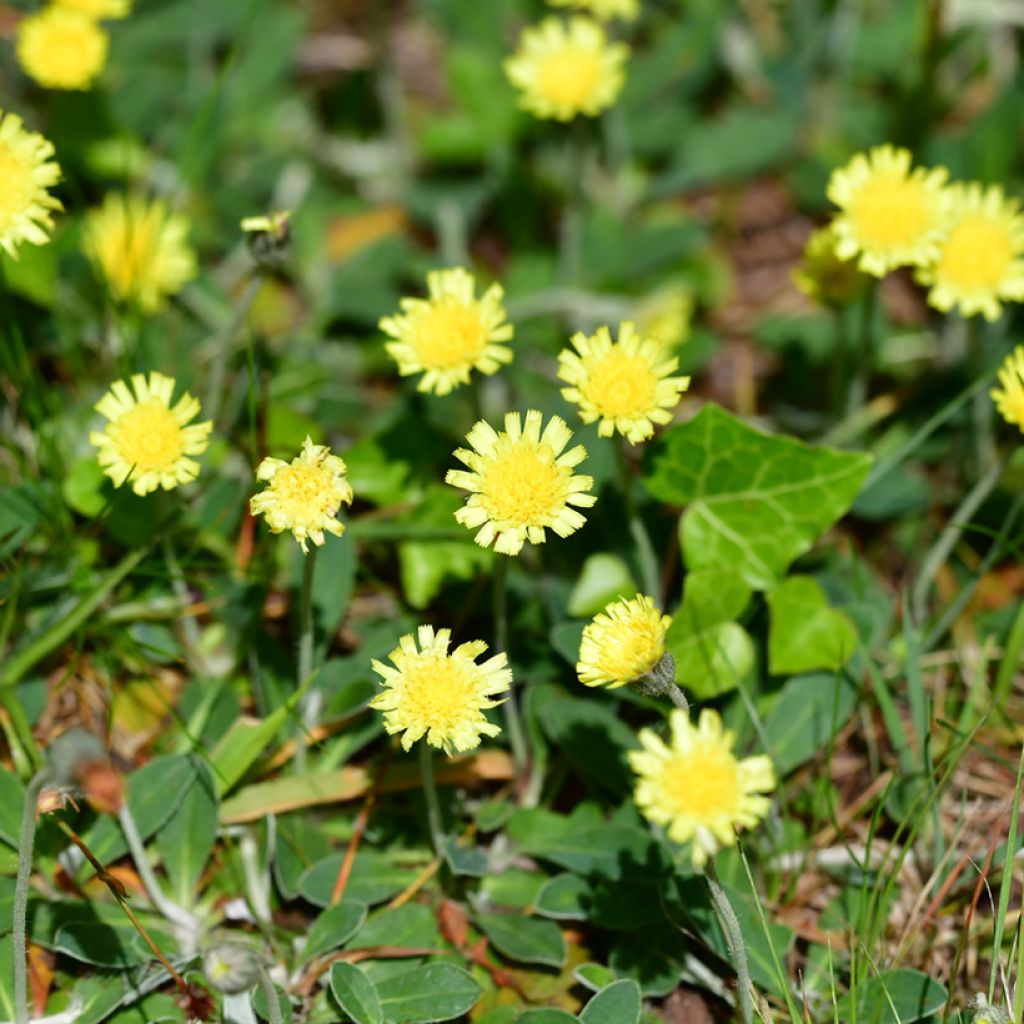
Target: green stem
[
  {"x": 19, "y": 919},
  {"x": 270, "y": 997},
  {"x": 430, "y": 796},
  {"x": 982, "y": 408},
  {"x": 646, "y": 560},
  {"x": 1008, "y": 668},
  {"x": 218, "y": 369},
  {"x": 734, "y": 937},
  {"x": 570, "y": 229},
  {"x": 189, "y": 627},
  {"x": 513, "y": 722},
  {"x": 451, "y": 231},
  {"x": 857, "y": 392},
  {"x": 308, "y": 709}
]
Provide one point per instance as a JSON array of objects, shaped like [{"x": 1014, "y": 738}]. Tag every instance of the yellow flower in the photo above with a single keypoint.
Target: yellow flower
[
  {"x": 449, "y": 334},
  {"x": 147, "y": 440},
  {"x": 625, "y": 384},
  {"x": 521, "y": 483},
  {"x": 889, "y": 215},
  {"x": 61, "y": 48},
  {"x": 979, "y": 262},
  {"x": 695, "y": 788},
  {"x": 666, "y": 315},
  {"x": 1010, "y": 400},
  {"x": 606, "y": 10},
  {"x": 140, "y": 250},
  {"x": 442, "y": 696},
  {"x": 304, "y": 495},
  {"x": 622, "y": 643},
  {"x": 26, "y": 172},
  {"x": 97, "y": 9},
  {"x": 823, "y": 276},
  {"x": 564, "y": 69}
]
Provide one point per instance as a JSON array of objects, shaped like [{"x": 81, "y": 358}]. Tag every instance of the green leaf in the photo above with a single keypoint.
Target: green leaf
[
  {"x": 372, "y": 880},
  {"x": 594, "y": 976},
  {"x": 809, "y": 711},
  {"x": 356, "y": 994},
  {"x": 106, "y": 945},
  {"x": 12, "y": 801},
  {"x": 805, "y": 633},
  {"x": 713, "y": 654},
  {"x": 754, "y": 502},
  {"x": 259, "y": 1004},
  {"x": 626, "y": 903},
  {"x": 413, "y": 925},
  {"x": 423, "y": 995},
  {"x": 607, "y": 850},
  {"x": 564, "y": 898},
  {"x": 7, "y": 977},
  {"x": 334, "y": 927},
  {"x": 604, "y": 578},
  {"x": 913, "y": 994},
  {"x": 547, "y": 1015},
  {"x": 187, "y": 840},
  {"x": 619, "y": 1003},
  {"x": 526, "y": 939}
]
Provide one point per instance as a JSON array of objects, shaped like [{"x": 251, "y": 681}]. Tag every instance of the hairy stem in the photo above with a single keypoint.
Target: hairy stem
[
  {"x": 19, "y": 919},
  {"x": 513, "y": 721},
  {"x": 734, "y": 937},
  {"x": 430, "y": 796},
  {"x": 308, "y": 703}
]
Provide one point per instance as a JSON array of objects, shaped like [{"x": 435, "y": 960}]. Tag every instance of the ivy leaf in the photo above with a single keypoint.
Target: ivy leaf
[
  {"x": 805, "y": 633},
  {"x": 754, "y": 502}
]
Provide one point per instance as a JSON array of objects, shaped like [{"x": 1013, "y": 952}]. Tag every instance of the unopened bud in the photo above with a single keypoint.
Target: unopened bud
[{"x": 232, "y": 967}]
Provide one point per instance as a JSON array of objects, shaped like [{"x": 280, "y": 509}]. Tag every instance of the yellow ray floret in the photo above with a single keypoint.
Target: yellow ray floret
[
  {"x": 623, "y": 643},
  {"x": 823, "y": 276},
  {"x": 564, "y": 69},
  {"x": 606, "y": 10},
  {"x": 695, "y": 788},
  {"x": 147, "y": 441},
  {"x": 140, "y": 249},
  {"x": 98, "y": 9},
  {"x": 521, "y": 482},
  {"x": 1010, "y": 398},
  {"x": 979, "y": 261},
  {"x": 303, "y": 495},
  {"x": 889, "y": 215},
  {"x": 61, "y": 48},
  {"x": 626, "y": 384},
  {"x": 26, "y": 172},
  {"x": 450, "y": 333},
  {"x": 441, "y": 696}
]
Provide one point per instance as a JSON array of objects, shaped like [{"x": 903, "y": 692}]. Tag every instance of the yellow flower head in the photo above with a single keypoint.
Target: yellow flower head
[
  {"x": 823, "y": 276},
  {"x": 564, "y": 69},
  {"x": 605, "y": 10},
  {"x": 1010, "y": 400},
  {"x": 521, "y": 482},
  {"x": 61, "y": 48},
  {"x": 889, "y": 215},
  {"x": 303, "y": 495},
  {"x": 627, "y": 384},
  {"x": 442, "y": 696},
  {"x": 450, "y": 333},
  {"x": 622, "y": 643},
  {"x": 26, "y": 172},
  {"x": 696, "y": 788},
  {"x": 148, "y": 441},
  {"x": 980, "y": 261},
  {"x": 97, "y": 9},
  {"x": 140, "y": 249}
]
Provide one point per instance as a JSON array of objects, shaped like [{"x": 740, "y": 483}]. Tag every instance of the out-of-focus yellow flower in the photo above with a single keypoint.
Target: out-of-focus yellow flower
[
  {"x": 140, "y": 249},
  {"x": 98, "y": 9},
  {"x": 627, "y": 384},
  {"x": 450, "y": 333},
  {"x": 979, "y": 262},
  {"x": 564, "y": 69},
  {"x": 665, "y": 315},
  {"x": 26, "y": 172},
  {"x": 695, "y": 788},
  {"x": 823, "y": 276},
  {"x": 890, "y": 216},
  {"x": 606, "y": 10},
  {"x": 147, "y": 441},
  {"x": 623, "y": 643},
  {"x": 303, "y": 495},
  {"x": 1010, "y": 398},
  {"x": 521, "y": 483},
  {"x": 431, "y": 693},
  {"x": 61, "y": 48}
]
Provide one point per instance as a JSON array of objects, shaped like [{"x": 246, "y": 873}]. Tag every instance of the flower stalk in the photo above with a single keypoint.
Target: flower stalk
[
  {"x": 513, "y": 720},
  {"x": 734, "y": 937},
  {"x": 19, "y": 919},
  {"x": 308, "y": 709}
]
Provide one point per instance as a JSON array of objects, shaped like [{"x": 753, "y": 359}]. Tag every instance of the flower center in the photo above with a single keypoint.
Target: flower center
[
  {"x": 148, "y": 436},
  {"x": 305, "y": 494},
  {"x": 17, "y": 185},
  {"x": 522, "y": 485},
  {"x": 704, "y": 782},
  {"x": 976, "y": 255},
  {"x": 889, "y": 210},
  {"x": 631, "y": 649},
  {"x": 620, "y": 385},
  {"x": 438, "y": 692},
  {"x": 447, "y": 333},
  {"x": 569, "y": 77}
]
